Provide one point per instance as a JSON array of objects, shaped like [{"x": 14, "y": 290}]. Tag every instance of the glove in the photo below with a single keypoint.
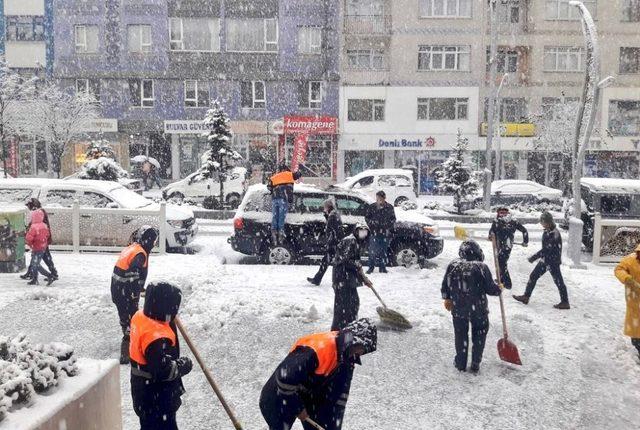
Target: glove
[
  {"x": 532, "y": 259},
  {"x": 525, "y": 244},
  {"x": 184, "y": 365},
  {"x": 448, "y": 305}
]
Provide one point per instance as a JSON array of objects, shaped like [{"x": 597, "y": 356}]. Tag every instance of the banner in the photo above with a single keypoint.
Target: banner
[
  {"x": 310, "y": 125},
  {"x": 299, "y": 156}
]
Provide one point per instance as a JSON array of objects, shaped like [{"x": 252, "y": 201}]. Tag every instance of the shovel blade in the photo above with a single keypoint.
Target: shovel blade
[
  {"x": 508, "y": 352},
  {"x": 393, "y": 318}
]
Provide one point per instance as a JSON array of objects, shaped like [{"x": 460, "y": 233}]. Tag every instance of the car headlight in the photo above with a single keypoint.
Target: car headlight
[
  {"x": 174, "y": 223},
  {"x": 431, "y": 229}
]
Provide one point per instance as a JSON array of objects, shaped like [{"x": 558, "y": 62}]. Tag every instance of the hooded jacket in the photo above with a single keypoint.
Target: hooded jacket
[
  {"x": 38, "y": 235},
  {"x": 347, "y": 267},
  {"x": 629, "y": 268},
  {"x": 381, "y": 219},
  {"x": 333, "y": 230}
]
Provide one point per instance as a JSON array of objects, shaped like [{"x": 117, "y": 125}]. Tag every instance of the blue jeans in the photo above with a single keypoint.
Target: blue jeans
[
  {"x": 378, "y": 245},
  {"x": 279, "y": 210},
  {"x": 35, "y": 266}
]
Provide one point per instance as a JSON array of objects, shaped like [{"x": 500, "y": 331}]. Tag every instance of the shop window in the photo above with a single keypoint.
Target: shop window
[
  {"x": 253, "y": 95},
  {"x": 443, "y": 109},
  {"x": 196, "y": 94},
  {"x": 309, "y": 40},
  {"x": 508, "y": 12},
  {"x": 506, "y": 61},
  {"x": 139, "y": 38},
  {"x": 450, "y": 58},
  {"x": 86, "y": 39},
  {"x": 629, "y": 60},
  {"x": 365, "y": 110},
  {"x": 445, "y": 8},
  {"x": 512, "y": 110},
  {"x": 310, "y": 95},
  {"x": 141, "y": 92},
  {"x": 624, "y": 117},
  {"x": 89, "y": 86},
  {"x": 194, "y": 34},
  {"x": 561, "y": 10},
  {"x": 365, "y": 7},
  {"x": 252, "y": 35},
  {"x": 563, "y": 59},
  {"x": 631, "y": 10},
  {"x": 25, "y": 28},
  {"x": 366, "y": 59},
  {"x": 60, "y": 198},
  {"x": 615, "y": 204}
]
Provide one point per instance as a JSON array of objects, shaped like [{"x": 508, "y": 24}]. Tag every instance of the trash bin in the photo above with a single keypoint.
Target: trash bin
[{"x": 12, "y": 231}]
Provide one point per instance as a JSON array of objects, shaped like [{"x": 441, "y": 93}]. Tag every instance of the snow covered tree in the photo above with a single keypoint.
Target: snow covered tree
[
  {"x": 100, "y": 148},
  {"x": 456, "y": 177}
]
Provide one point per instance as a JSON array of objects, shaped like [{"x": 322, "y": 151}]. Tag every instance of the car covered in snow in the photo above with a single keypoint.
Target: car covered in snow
[
  {"x": 515, "y": 191},
  {"x": 206, "y": 192},
  {"x": 415, "y": 237},
  {"x": 133, "y": 184},
  {"x": 114, "y": 226},
  {"x": 397, "y": 184}
]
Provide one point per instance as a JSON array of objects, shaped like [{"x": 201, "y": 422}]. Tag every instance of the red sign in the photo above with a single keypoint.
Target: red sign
[
  {"x": 299, "y": 156},
  {"x": 430, "y": 141},
  {"x": 310, "y": 125}
]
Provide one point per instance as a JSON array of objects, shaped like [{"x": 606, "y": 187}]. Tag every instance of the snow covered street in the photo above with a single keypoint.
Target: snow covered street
[{"x": 579, "y": 370}]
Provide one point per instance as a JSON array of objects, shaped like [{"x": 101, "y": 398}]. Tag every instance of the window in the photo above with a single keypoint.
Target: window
[
  {"x": 310, "y": 95},
  {"x": 561, "y": 10},
  {"x": 443, "y": 58},
  {"x": 194, "y": 34},
  {"x": 508, "y": 13},
  {"x": 631, "y": 10},
  {"x": 27, "y": 28},
  {"x": 629, "y": 60},
  {"x": 196, "y": 94},
  {"x": 624, "y": 117},
  {"x": 86, "y": 39},
  {"x": 351, "y": 206},
  {"x": 563, "y": 59},
  {"x": 367, "y": 181},
  {"x": 507, "y": 61},
  {"x": 615, "y": 204},
  {"x": 141, "y": 91},
  {"x": 94, "y": 200},
  {"x": 365, "y": 110},
  {"x": 366, "y": 59},
  {"x": 90, "y": 86},
  {"x": 139, "y": 37},
  {"x": 387, "y": 181},
  {"x": 253, "y": 95},
  {"x": 313, "y": 204},
  {"x": 365, "y": 7},
  {"x": 512, "y": 110},
  {"x": 252, "y": 35},
  {"x": 442, "y": 109},
  {"x": 445, "y": 8},
  {"x": 309, "y": 40},
  {"x": 60, "y": 198}
]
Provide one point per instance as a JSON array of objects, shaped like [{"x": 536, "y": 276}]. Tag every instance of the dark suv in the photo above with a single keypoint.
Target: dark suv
[{"x": 413, "y": 240}]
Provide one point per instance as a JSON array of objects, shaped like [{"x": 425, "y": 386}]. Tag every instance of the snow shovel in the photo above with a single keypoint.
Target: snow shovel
[
  {"x": 207, "y": 374},
  {"x": 389, "y": 316},
  {"x": 507, "y": 350},
  {"x": 314, "y": 424},
  {"x": 460, "y": 232}
]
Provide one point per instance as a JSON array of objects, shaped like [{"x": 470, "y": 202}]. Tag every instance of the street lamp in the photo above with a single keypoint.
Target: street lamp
[
  {"x": 493, "y": 69},
  {"x": 504, "y": 79}
]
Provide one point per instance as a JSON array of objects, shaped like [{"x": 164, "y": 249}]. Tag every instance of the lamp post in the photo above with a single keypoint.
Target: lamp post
[
  {"x": 498, "y": 132},
  {"x": 493, "y": 69}
]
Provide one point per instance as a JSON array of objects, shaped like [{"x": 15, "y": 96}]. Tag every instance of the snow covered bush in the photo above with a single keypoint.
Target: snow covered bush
[
  {"x": 456, "y": 177},
  {"x": 98, "y": 149},
  {"x": 102, "y": 169}
]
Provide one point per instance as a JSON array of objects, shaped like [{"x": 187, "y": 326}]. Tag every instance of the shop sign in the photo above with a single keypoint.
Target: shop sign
[
  {"x": 430, "y": 142},
  {"x": 185, "y": 127},
  {"x": 101, "y": 125},
  {"x": 276, "y": 127},
  {"x": 402, "y": 143},
  {"x": 310, "y": 125}
]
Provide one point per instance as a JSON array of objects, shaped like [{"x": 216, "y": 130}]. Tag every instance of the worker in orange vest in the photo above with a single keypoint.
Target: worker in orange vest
[
  {"x": 156, "y": 366},
  {"x": 128, "y": 278},
  {"x": 313, "y": 381},
  {"x": 281, "y": 188}
]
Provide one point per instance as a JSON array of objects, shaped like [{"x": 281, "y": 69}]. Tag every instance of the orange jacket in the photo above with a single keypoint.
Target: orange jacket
[
  {"x": 282, "y": 178},
  {"x": 145, "y": 331},
  {"x": 326, "y": 349},
  {"x": 128, "y": 254}
]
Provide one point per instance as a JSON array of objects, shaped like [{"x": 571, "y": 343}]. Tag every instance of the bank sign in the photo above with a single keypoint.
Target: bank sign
[{"x": 406, "y": 143}]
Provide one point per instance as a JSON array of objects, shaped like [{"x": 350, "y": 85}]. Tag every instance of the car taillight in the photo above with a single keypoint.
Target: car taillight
[{"x": 238, "y": 223}]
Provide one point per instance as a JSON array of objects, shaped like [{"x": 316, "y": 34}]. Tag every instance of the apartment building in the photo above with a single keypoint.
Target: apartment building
[{"x": 416, "y": 71}]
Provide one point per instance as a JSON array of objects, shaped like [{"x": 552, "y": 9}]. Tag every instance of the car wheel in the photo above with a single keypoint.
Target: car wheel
[
  {"x": 178, "y": 197},
  {"x": 406, "y": 255},
  {"x": 210, "y": 203},
  {"x": 233, "y": 201},
  {"x": 279, "y": 255},
  {"x": 400, "y": 200}
]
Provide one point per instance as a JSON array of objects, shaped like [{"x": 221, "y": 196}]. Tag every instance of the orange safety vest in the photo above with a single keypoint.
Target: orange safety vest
[
  {"x": 128, "y": 254},
  {"x": 282, "y": 178},
  {"x": 325, "y": 347},
  {"x": 144, "y": 331}
]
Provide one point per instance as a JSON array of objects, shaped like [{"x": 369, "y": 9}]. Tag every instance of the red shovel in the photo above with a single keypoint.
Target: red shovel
[{"x": 507, "y": 350}]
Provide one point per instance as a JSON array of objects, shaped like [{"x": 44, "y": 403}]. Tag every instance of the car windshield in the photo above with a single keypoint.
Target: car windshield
[{"x": 128, "y": 198}]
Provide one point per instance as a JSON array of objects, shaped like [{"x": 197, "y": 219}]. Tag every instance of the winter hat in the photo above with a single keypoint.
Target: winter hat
[
  {"x": 381, "y": 194},
  {"x": 33, "y": 204},
  {"x": 147, "y": 237},
  {"x": 471, "y": 251},
  {"x": 547, "y": 218},
  {"x": 360, "y": 332},
  {"x": 360, "y": 227},
  {"x": 162, "y": 301}
]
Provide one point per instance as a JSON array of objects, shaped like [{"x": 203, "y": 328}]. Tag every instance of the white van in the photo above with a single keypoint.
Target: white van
[
  {"x": 397, "y": 184},
  {"x": 206, "y": 192}
]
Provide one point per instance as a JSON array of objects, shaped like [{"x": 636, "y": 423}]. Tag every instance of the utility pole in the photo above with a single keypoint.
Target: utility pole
[
  {"x": 499, "y": 169},
  {"x": 493, "y": 69}
]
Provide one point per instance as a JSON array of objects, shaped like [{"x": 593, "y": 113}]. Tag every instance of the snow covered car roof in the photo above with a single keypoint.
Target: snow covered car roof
[
  {"x": 609, "y": 185},
  {"x": 377, "y": 172}
]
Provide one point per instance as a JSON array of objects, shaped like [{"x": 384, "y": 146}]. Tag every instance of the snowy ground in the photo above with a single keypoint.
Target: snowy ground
[{"x": 579, "y": 370}]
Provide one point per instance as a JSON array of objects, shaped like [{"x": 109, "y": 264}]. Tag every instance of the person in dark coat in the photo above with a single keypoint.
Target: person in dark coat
[
  {"x": 281, "y": 188},
  {"x": 128, "y": 279},
  {"x": 314, "y": 380},
  {"x": 550, "y": 257},
  {"x": 33, "y": 205},
  {"x": 381, "y": 219},
  {"x": 156, "y": 366},
  {"x": 347, "y": 276},
  {"x": 465, "y": 286},
  {"x": 504, "y": 228},
  {"x": 333, "y": 234}
]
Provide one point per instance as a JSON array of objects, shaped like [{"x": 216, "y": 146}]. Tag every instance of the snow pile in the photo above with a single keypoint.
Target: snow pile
[
  {"x": 27, "y": 369},
  {"x": 102, "y": 169}
]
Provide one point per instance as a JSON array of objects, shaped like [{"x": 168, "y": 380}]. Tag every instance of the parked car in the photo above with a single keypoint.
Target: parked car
[
  {"x": 397, "y": 184},
  {"x": 111, "y": 228},
  {"x": 133, "y": 184},
  {"x": 514, "y": 191},
  {"x": 612, "y": 198},
  {"x": 415, "y": 237},
  {"x": 206, "y": 192}
]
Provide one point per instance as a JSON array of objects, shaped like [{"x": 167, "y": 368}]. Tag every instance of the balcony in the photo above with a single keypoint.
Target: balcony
[
  {"x": 511, "y": 129},
  {"x": 367, "y": 24}
]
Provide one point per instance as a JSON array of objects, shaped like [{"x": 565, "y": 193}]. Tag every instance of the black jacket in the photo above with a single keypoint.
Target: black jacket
[
  {"x": 380, "y": 220},
  {"x": 284, "y": 191},
  {"x": 347, "y": 267},
  {"x": 466, "y": 284},
  {"x": 333, "y": 230},
  {"x": 505, "y": 232},
  {"x": 551, "y": 252}
]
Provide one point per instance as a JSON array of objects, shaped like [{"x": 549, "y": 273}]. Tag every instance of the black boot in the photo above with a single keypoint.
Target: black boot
[
  {"x": 50, "y": 280},
  {"x": 313, "y": 281},
  {"x": 522, "y": 299},
  {"x": 475, "y": 368},
  {"x": 369, "y": 270},
  {"x": 33, "y": 281},
  {"x": 562, "y": 306},
  {"x": 124, "y": 350},
  {"x": 26, "y": 276}
]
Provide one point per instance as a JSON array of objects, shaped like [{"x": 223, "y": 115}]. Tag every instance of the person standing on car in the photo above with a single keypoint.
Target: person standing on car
[
  {"x": 381, "y": 218},
  {"x": 550, "y": 257},
  {"x": 127, "y": 281},
  {"x": 314, "y": 379},
  {"x": 465, "y": 286},
  {"x": 347, "y": 276},
  {"x": 281, "y": 188},
  {"x": 628, "y": 272},
  {"x": 156, "y": 366},
  {"x": 33, "y": 205},
  {"x": 504, "y": 229},
  {"x": 333, "y": 234}
]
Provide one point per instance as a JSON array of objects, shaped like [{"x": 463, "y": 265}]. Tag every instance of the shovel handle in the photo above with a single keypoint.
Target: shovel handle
[
  {"x": 378, "y": 296},
  {"x": 314, "y": 424},
  {"x": 495, "y": 260}
]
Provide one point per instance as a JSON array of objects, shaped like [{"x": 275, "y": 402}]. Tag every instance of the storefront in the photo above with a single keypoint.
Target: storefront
[
  {"x": 103, "y": 129},
  {"x": 311, "y": 142}
]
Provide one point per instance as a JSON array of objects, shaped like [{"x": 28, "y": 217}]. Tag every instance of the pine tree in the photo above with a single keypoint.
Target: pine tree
[
  {"x": 456, "y": 177},
  {"x": 101, "y": 164}
]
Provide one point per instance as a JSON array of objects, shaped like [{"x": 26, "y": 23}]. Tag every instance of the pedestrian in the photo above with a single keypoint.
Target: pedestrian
[
  {"x": 314, "y": 379},
  {"x": 146, "y": 171},
  {"x": 465, "y": 286},
  {"x": 128, "y": 279},
  {"x": 628, "y": 272},
  {"x": 37, "y": 239},
  {"x": 34, "y": 204},
  {"x": 381, "y": 219},
  {"x": 504, "y": 229},
  {"x": 550, "y": 257},
  {"x": 347, "y": 276},
  {"x": 154, "y": 176},
  {"x": 333, "y": 233},
  {"x": 156, "y": 366},
  {"x": 281, "y": 188}
]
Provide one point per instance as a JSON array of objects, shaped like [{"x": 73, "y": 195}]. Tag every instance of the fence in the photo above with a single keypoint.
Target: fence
[{"x": 614, "y": 238}]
